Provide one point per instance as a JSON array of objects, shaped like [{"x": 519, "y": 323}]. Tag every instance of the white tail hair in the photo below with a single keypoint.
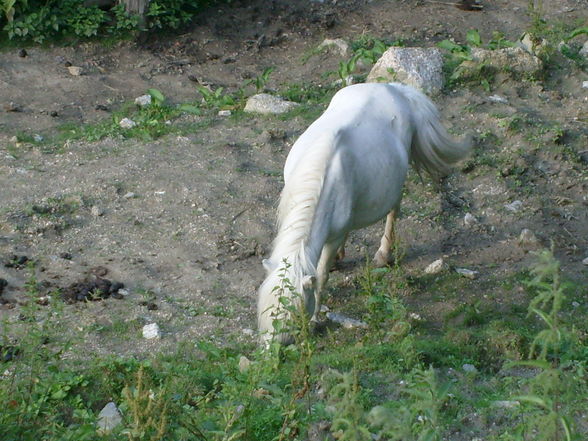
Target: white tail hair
[{"x": 433, "y": 149}]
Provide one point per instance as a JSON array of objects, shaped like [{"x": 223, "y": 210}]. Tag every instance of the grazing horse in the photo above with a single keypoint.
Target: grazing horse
[{"x": 345, "y": 172}]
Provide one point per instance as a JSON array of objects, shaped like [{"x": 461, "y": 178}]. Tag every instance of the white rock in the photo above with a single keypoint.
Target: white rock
[
  {"x": 469, "y": 368},
  {"x": 248, "y": 331},
  {"x": 469, "y": 220},
  {"x": 498, "y": 99},
  {"x": 123, "y": 292},
  {"x": 467, "y": 273},
  {"x": 575, "y": 304},
  {"x": 97, "y": 211},
  {"x": 265, "y": 103},
  {"x": 127, "y": 123},
  {"x": 76, "y": 71},
  {"x": 585, "y": 261},
  {"x": 584, "y": 84},
  {"x": 108, "y": 418},
  {"x": 436, "y": 267},
  {"x": 340, "y": 45},
  {"x": 514, "y": 206},
  {"x": 143, "y": 100},
  {"x": 224, "y": 113},
  {"x": 38, "y": 138},
  {"x": 129, "y": 195},
  {"x": 151, "y": 331},
  {"x": 510, "y": 59},
  {"x": 346, "y": 322},
  {"x": 418, "y": 67}
]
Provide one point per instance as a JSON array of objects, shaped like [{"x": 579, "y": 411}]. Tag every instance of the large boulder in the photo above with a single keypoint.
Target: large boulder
[{"x": 421, "y": 68}]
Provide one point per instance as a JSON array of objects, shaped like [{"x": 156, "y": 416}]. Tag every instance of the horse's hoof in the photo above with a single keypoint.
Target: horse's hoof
[{"x": 380, "y": 261}]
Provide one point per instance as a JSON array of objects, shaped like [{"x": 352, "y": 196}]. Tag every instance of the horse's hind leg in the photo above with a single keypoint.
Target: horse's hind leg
[
  {"x": 341, "y": 250},
  {"x": 382, "y": 256}
]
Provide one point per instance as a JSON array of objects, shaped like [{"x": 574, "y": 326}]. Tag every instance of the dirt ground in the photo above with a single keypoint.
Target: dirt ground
[{"x": 184, "y": 221}]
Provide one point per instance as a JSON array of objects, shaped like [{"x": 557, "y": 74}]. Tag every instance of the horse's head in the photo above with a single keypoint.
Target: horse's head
[{"x": 285, "y": 292}]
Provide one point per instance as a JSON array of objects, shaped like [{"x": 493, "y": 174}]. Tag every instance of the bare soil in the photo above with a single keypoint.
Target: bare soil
[{"x": 183, "y": 221}]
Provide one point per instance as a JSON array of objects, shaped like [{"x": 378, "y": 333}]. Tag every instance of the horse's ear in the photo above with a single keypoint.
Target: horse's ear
[{"x": 308, "y": 282}]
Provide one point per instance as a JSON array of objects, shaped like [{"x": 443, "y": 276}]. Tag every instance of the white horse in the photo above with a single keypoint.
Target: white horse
[{"x": 345, "y": 172}]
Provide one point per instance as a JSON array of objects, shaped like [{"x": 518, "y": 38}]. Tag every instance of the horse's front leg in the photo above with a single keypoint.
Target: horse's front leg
[
  {"x": 328, "y": 254},
  {"x": 382, "y": 256}
]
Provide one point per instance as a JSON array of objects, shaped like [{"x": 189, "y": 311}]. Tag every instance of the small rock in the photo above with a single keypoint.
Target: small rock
[
  {"x": 268, "y": 104},
  {"x": 338, "y": 44},
  {"x": 585, "y": 84},
  {"x": 129, "y": 195},
  {"x": 514, "y": 206},
  {"x": 527, "y": 237},
  {"x": 65, "y": 255},
  {"x": 498, "y": 99},
  {"x": 121, "y": 292},
  {"x": 585, "y": 261},
  {"x": 143, "y": 100},
  {"x": 584, "y": 50},
  {"x": 127, "y": 123},
  {"x": 470, "y": 368},
  {"x": 108, "y": 418},
  {"x": 575, "y": 304},
  {"x": 22, "y": 53},
  {"x": 248, "y": 331},
  {"x": 224, "y": 113},
  {"x": 97, "y": 211},
  {"x": 38, "y": 138},
  {"x": 346, "y": 322},
  {"x": 12, "y": 107},
  {"x": 467, "y": 273},
  {"x": 151, "y": 331},
  {"x": 436, "y": 267},
  {"x": 76, "y": 71},
  {"x": 469, "y": 220},
  {"x": 244, "y": 364}
]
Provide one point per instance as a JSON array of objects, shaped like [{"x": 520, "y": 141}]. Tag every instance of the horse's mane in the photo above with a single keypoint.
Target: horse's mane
[{"x": 298, "y": 201}]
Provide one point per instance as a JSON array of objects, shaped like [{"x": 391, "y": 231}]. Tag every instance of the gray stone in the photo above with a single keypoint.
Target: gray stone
[
  {"x": 127, "y": 123},
  {"x": 244, "y": 364},
  {"x": 421, "y": 68},
  {"x": 498, "y": 99},
  {"x": 467, "y": 273},
  {"x": 38, "y": 138},
  {"x": 97, "y": 211},
  {"x": 506, "y": 404},
  {"x": 585, "y": 261},
  {"x": 108, "y": 418},
  {"x": 436, "y": 267},
  {"x": 470, "y": 368},
  {"x": 224, "y": 113},
  {"x": 469, "y": 220},
  {"x": 514, "y": 60},
  {"x": 514, "y": 206},
  {"x": 584, "y": 50},
  {"x": 338, "y": 44},
  {"x": 585, "y": 84},
  {"x": 528, "y": 238},
  {"x": 346, "y": 322},
  {"x": 265, "y": 103},
  {"x": 129, "y": 195},
  {"x": 143, "y": 100}
]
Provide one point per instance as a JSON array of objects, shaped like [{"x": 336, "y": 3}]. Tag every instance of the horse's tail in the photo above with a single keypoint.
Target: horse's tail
[{"x": 433, "y": 149}]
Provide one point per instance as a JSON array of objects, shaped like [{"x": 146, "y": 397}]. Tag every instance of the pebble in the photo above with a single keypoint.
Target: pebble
[
  {"x": 151, "y": 331},
  {"x": 575, "y": 304},
  {"x": 469, "y": 220},
  {"x": 585, "y": 84},
  {"x": 436, "y": 267},
  {"x": 469, "y": 368},
  {"x": 346, "y": 322},
  {"x": 129, "y": 195},
  {"x": 514, "y": 206},
  {"x": 338, "y": 44},
  {"x": 498, "y": 99},
  {"x": 467, "y": 273},
  {"x": 97, "y": 211},
  {"x": 506, "y": 404},
  {"x": 38, "y": 138},
  {"x": 108, "y": 418},
  {"x": 76, "y": 71},
  {"x": 127, "y": 123},
  {"x": 585, "y": 261},
  {"x": 527, "y": 237},
  {"x": 143, "y": 100},
  {"x": 224, "y": 113}
]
